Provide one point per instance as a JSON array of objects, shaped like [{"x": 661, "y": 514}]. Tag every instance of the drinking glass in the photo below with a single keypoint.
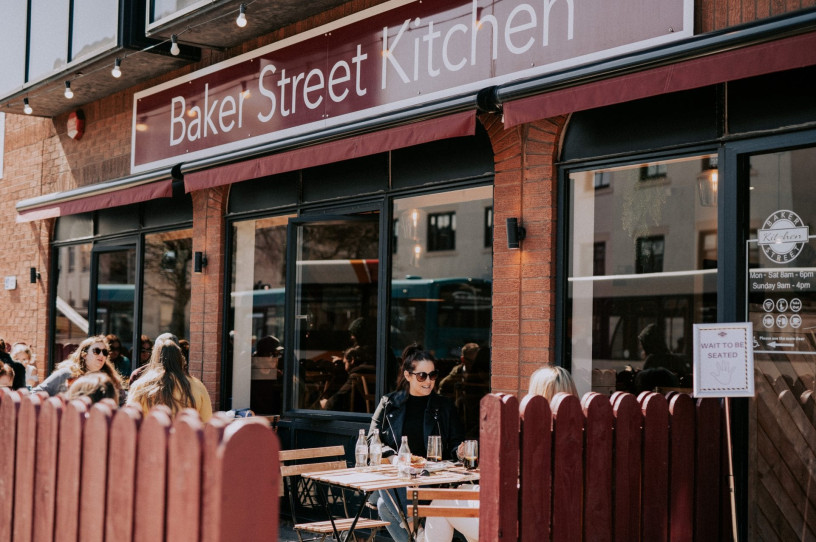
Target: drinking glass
[
  {"x": 471, "y": 459},
  {"x": 434, "y": 448}
]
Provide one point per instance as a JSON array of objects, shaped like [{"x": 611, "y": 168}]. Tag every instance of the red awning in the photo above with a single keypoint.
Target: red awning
[
  {"x": 76, "y": 202},
  {"x": 458, "y": 125},
  {"x": 784, "y": 54}
]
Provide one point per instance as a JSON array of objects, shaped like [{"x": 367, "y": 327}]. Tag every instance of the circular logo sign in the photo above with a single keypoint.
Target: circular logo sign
[{"x": 782, "y": 237}]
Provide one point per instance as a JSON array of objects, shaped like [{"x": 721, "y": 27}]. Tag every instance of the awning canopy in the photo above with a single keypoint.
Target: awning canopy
[
  {"x": 134, "y": 189},
  {"x": 729, "y": 65},
  {"x": 457, "y": 125}
]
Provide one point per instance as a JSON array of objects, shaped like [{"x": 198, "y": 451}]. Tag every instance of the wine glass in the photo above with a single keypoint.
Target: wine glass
[{"x": 434, "y": 451}]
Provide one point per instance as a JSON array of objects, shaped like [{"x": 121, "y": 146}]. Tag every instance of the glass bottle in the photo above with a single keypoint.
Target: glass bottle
[
  {"x": 375, "y": 449},
  {"x": 361, "y": 450},
  {"x": 404, "y": 459}
]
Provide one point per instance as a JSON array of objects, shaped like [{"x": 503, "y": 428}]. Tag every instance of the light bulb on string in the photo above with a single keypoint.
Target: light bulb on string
[
  {"x": 174, "y": 48},
  {"x": 242, "y": 19},
  {"x": 27, "y": 107},
  {"x": 117, "y": 70},
  {"x": 68, "y": 92}
]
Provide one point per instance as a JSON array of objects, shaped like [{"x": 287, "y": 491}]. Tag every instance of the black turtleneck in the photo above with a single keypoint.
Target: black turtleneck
[{"x": 414, "y": 425}]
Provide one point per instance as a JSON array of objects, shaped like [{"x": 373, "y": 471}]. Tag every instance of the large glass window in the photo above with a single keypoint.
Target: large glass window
[
  {"x": 257, "y": 314},
  {"x": 160, "y": 9},
  {"x": 48, "y": 38},
  {"x": 13, "y": 25},
  {"x": 166, "y": 286},
  {"x": 95, "y": 25},
  {"x": 73, "y": 295},
  {"x": 640, "y": 272},
  {"x": 443, "y": 301}
]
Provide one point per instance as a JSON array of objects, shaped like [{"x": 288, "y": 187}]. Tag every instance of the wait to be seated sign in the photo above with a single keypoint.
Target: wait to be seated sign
[{"x": 724, "y": 360}]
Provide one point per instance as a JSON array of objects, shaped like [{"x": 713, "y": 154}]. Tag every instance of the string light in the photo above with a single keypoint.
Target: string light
[
  {"x": 174, "y": 48},
  {"x": 68, "y": 92},
  {"x": 241, "y": 20},
  {"x": 26, "y": 107},
  {"x": 117, "y": 70}
]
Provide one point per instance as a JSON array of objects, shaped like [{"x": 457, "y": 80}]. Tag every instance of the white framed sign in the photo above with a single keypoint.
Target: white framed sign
[{"x": 724, "y": 360}]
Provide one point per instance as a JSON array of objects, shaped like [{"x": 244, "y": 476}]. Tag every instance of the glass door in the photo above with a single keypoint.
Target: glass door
[
  {"x": 114, "y": 293},
  {"x": 332, "y": 290}
]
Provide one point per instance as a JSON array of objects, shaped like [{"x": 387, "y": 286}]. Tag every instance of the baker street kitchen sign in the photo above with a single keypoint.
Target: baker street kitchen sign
[
  {"x": 783, "y": 236},
  {"x": 395, "y": 56}
]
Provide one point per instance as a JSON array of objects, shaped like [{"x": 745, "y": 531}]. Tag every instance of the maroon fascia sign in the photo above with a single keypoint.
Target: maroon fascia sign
[{"x": 391, "y": 57}]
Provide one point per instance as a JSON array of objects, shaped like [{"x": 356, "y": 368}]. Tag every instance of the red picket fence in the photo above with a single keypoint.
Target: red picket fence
[
  {"x": 71, "y": 472},
  {"x": 617, "y": 468}
]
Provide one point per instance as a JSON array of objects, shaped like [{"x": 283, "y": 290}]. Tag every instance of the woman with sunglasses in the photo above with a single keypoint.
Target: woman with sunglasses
[
  {"x": 91, "y": 356},
  {"x": 415, "y": 410}
]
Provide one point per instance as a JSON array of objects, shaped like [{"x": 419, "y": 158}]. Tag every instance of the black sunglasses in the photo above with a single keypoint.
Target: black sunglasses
[
  {"x": 423, "y": 375},
  {"x": 97, "y": 351}
]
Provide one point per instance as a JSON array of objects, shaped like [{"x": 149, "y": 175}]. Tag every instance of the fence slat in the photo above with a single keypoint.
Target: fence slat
[
  {"x": 597, "y": 519},
  {"x": 707, "y": 466},
  {"x": 499, "y": 461},
  {"x": 184, "y": 478},
  {"x": 627, "y": 466},
  {"x": 45, "y": 471},
  {"x": 655, "y": 486},
  {"x": 9, "y": 408},
  {"x": 124, "y": 434},
  {"x": 95, "y": 445},
  {"x": 568, "y": 427},
  {"x": 681, "y": 479},
  {"x": 535, "y": 456},
  {"x": 69, "y": 471},
  {"x": 211, "y": 489},
  {"x": 151, "y": 476},
  {"x": 24, "y": 474},
  {"x": 246, "y": 464}
]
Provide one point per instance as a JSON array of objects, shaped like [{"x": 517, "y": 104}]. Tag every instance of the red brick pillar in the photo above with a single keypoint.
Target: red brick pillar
[{"x": 523, "y": 280}]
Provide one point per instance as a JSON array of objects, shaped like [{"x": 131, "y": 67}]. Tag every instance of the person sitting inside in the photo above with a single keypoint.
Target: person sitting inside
[
  {"x": 166, "y": 383},
  {"x": 96, "y": 386},
  {"x": 467, "y": 383},
  {"x": 357, "y": 365}
]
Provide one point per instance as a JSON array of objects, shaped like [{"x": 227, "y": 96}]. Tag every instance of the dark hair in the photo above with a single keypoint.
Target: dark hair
[
  {"x": 354, "y": 355},
  {"x": 412, "y": 355}
]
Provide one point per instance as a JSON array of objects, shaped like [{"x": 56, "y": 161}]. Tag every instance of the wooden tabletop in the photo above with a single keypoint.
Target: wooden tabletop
[{"x": 386, "y": 477}]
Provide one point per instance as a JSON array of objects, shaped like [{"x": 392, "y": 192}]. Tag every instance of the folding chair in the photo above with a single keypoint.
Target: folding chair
[
  {"x": 333, "y": 459},
  {"x": 425, "y": 494}
]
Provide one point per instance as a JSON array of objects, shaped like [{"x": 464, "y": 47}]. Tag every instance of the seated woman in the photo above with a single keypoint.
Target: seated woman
[
  {"x": 416, "y": 411},
  {"x": 165, "y": 382},
  {"x": 357, "y": 365},
  {"x": 546, "y": 381},
  {"x": 96, "y": 386},
  {"x": 91, "y": 356}
]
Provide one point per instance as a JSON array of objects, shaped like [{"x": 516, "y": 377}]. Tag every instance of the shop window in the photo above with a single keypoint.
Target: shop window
[
  {"x": 649, "y": 254},
  {"x": 441, "y": 231},
  {"x": 632, "y": 304},
  {"x": 601, "y": 179},
  {"x": 71, "y": 315},
  {"x": 488, "y": 227}
]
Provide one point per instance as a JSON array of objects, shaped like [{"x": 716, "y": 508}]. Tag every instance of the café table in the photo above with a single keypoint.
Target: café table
[{"x": 367, "y": 480}]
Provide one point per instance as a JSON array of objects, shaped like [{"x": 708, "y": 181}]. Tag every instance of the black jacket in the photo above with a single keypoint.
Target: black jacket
[
  {"x": 441, "y": 418},
  {"x": 18, "y": 368}
]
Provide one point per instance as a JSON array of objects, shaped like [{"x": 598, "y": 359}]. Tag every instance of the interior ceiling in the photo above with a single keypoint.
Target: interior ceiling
[{"x": 210, "y": 27}]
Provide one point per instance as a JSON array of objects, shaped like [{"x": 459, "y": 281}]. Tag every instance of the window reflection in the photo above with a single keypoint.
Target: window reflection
[
  {"x": 443, "y": 300},
  {"x": 642, "y": 257},
  {"x": 48, "y": 38},
  {"x": 73, "y": 293}
]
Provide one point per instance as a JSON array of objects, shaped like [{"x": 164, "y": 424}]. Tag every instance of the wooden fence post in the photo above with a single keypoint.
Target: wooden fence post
[
  {"x": 248, "y": 474},
  {"x": 210, "y": 481},
  {"x": 95, "y": 445},
  {"x": 499, "y": 464},
  {"x": 69, "y": 471},
  {"x": 124, "y": 434},
  {"x": 151, "y": 476},
  {"x": 681, "y": 479},
  {"x": 655, "y": 482},
  {"x": 9, "y": 408},
  {"x": 707, "y": 466},
  {"x": 24, "y": 473},
  {"x": 627, "y": 466},
  {"x": 597, "y": 517},
  {"x": 184, "y": 478},
  {"x": 568, "y": 467},
  {"x": 535, "y": 458}
]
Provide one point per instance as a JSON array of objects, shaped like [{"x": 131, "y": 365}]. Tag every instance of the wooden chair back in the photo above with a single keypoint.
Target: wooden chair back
[
  {"x": 421, "y": 495},
  {"x": 364, "y": 385}
]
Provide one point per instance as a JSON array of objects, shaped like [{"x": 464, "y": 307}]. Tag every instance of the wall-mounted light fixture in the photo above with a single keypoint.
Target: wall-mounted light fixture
[
  {"x": 199, "y": 262},
  {"x": 515, "y": 233},
  {"x": 33, "y": 275}
]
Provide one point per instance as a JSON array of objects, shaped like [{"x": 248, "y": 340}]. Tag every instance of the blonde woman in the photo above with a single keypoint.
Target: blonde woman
[
  {"x": 21, "y": 353},
  {"x": 166, "y": 383},
  {"x": 91, "y": 356},
  {"x": 96, "y": 386},
  {"x": 550, "y": 380}
]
